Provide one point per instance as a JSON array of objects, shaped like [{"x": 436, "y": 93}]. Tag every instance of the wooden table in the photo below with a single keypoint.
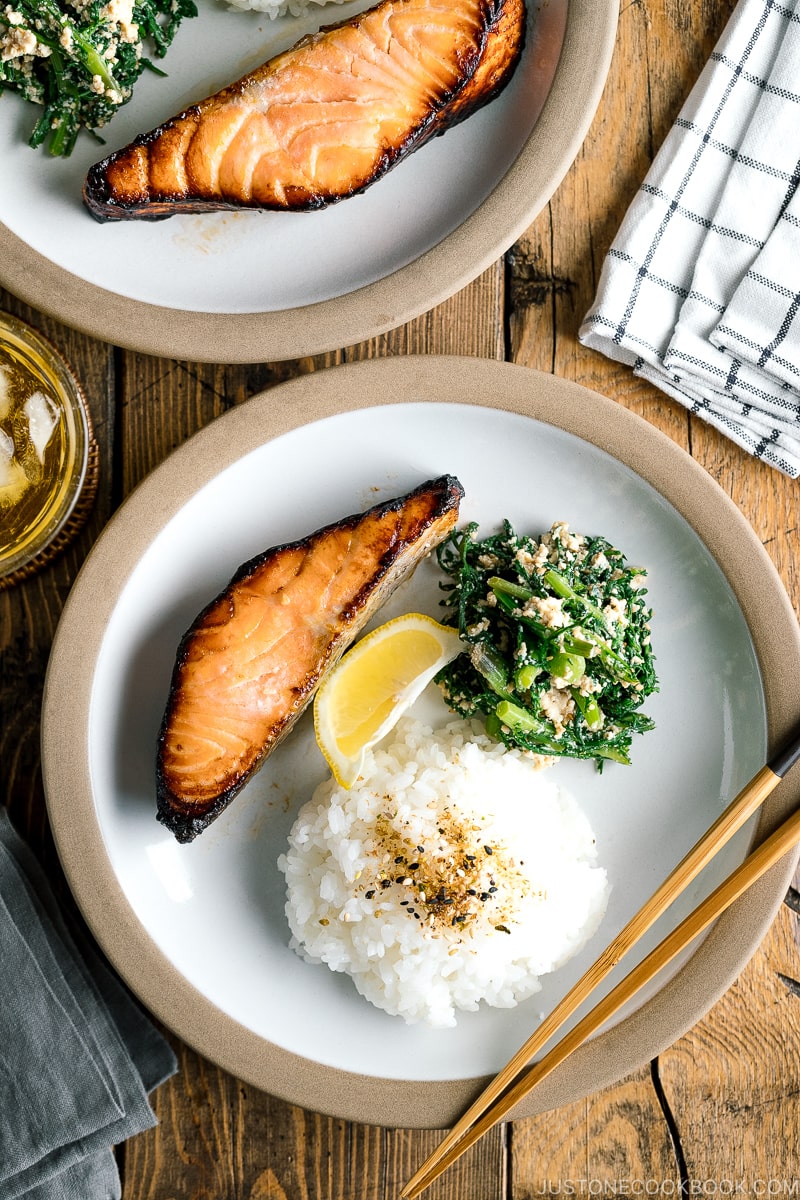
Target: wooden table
[{"x": 718, "y": 1113}]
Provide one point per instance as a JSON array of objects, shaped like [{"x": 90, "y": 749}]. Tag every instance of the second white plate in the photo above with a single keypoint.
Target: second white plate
[{"x": 241, "y": 286}]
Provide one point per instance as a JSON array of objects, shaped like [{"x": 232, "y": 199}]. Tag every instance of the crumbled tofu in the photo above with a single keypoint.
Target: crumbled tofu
[
  {"x": 540, "y": 558},
  {"x": 588, "y": 686},
  {"x": 548, "y": 609},
  {"x": 539, "y": 761},
  {"x": 558, "y": 706},
  {"x": 479, "y": 628},
  {"x": 118, "y": 11},
  {"x": 570, "y": 541},
  {"x": 615, "y": 612},
  {"x": 17, "y": 42}
]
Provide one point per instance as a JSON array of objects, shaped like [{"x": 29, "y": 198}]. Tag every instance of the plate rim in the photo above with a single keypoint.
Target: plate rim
[
  {"x": 372, "y": 383},
  {"x": 378, "y": 307}
]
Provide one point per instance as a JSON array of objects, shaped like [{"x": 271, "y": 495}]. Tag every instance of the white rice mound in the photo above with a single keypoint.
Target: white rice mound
[
  {"x": 277, "y": 8},
  {"x": 452, "y": 872}
]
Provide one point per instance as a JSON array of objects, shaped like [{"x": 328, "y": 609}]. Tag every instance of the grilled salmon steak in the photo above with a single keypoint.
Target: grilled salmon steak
[
  {"x": 324, "y": 119},
  {"x": 252, "y": 660}
]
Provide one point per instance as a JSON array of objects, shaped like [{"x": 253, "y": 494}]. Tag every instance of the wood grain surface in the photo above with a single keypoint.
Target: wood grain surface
[{"x": 719, "y": 1112}]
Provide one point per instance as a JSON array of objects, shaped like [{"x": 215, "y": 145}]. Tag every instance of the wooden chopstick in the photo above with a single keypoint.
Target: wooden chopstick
[
  {"x": 754, "y": 866},
  {"x": 463, "y": 1134}
]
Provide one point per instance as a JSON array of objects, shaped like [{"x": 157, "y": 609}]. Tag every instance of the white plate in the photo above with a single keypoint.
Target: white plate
[
  {"x": 213, "y": 910},
  {"x": 250, "y": 262},
  {"x": 191, "y": 269}
]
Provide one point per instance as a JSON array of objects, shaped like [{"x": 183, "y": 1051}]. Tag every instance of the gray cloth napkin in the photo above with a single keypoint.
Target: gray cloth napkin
[
  {"x": 700, "y": 291},
  {"x": 77, "y": 1055}
]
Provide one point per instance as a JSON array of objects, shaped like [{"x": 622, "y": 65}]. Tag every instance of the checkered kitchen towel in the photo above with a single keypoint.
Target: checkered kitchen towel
[{"x": 700, "y": 291}]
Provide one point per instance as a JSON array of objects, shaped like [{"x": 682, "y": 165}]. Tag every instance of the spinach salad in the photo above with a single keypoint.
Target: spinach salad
[
  {"x": 558, "y": 630},
  {"x": 79, "y": 59}
]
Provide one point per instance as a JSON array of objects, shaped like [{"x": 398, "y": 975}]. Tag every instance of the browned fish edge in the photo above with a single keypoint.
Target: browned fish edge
[
  {"x": 446, "y": 492},
  {"x": 483, "y": 80}
]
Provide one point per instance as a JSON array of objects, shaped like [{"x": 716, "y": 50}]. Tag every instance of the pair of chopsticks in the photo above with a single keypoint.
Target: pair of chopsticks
[{"x": 518, "y": 1077}]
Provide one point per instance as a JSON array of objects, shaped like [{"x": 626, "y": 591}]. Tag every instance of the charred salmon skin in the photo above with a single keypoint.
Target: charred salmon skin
[
  {"x": 324, "y": 119},
  {"x": 252, "y": 660}
]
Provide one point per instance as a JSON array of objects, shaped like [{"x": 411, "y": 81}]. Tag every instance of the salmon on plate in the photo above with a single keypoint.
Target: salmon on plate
[
  {"x": 254, "y": 657},
  {"x": 322, "y": 120}
]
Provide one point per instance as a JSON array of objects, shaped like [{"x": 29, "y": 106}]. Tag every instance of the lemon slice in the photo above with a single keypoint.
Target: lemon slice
[{"x": 373, "y": 684}]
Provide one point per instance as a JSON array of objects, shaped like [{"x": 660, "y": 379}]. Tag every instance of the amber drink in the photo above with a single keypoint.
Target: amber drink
[{"x": 44, "y": 444}]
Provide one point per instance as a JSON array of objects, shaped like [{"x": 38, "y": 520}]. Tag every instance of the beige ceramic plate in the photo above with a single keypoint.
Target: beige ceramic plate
[
  {"x": 238, "y": 287},
  {"x": 198, "y": 931}
]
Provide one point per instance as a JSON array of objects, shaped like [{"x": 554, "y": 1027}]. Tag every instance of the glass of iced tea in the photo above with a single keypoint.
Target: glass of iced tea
[{"x": 45, "y": 437}]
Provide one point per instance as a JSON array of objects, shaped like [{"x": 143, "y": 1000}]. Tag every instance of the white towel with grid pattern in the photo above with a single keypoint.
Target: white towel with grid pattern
[{"x": 700, "y": 291}]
